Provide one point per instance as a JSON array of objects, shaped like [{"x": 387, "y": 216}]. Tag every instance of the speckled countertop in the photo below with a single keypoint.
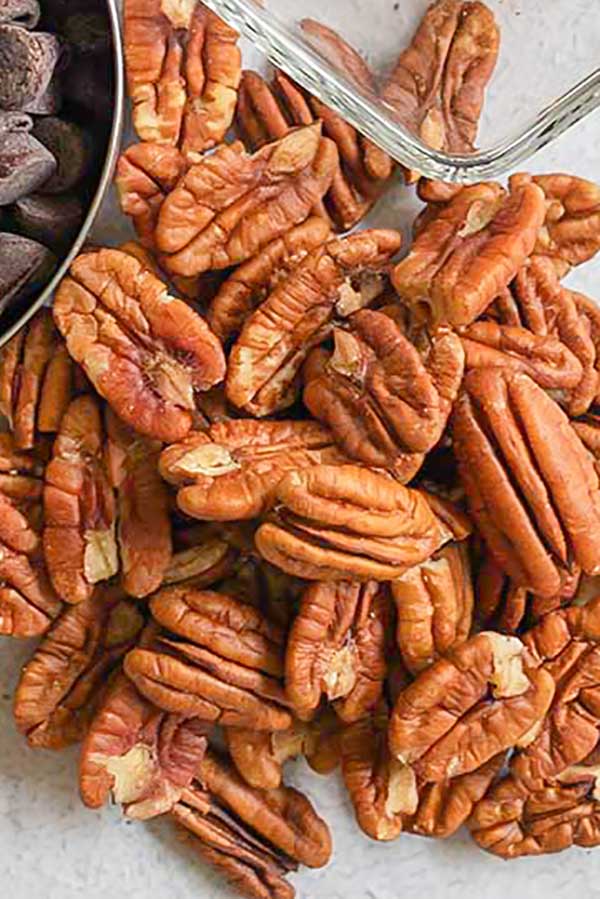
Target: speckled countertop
[{"x": 53, "y": 848}]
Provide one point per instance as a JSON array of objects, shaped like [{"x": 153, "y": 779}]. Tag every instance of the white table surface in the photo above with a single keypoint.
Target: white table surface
[{"x": 51, "y": 847}]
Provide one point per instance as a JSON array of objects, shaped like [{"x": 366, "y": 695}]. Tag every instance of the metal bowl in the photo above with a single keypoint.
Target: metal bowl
[{"x": 104, "y": 182}]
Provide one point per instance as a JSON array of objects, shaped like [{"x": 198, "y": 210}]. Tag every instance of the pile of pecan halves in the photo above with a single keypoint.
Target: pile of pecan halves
[{"x": 267, "y": 492}]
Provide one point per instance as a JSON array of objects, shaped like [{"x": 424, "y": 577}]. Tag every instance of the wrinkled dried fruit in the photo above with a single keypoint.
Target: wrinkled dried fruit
[
  {"x": 183, "y": 70},
  {"x": 70, "y": 146},
  {"x": 334, "y": 280},
  {"x": 538, "y": 511},
  {"x": 25, "y": 268},
  {"x": 27, "y": 63},
  {"x": 143, "y": 350},
  {"x": 231, "y": 471},
  {"x": 229, "y": 206},
  {"x": 349, "y": 523}
]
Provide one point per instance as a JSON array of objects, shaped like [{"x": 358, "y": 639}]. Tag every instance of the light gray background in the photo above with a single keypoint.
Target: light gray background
[{"x": 53, "y": 848}]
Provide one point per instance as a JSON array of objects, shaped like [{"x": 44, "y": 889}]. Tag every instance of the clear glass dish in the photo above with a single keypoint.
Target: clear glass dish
[{"x": 543, "y": 83}]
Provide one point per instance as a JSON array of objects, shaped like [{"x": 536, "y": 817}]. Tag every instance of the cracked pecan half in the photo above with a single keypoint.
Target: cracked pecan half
[
  {"x": 349, "y": 523},
  {"x": 336, "y": 649},
  {"x": 385, "y": 403},
  {"x": 334, "y": 280},
  {"x": 434, "y": 607},
  {"x": 437, "y": 86},
  {"x": 230, "y": 205},
  {"x": 36, "y": 381},
  {"x": 61, "y": 685},
  {"x": 484, "y": 697},
  {"x": 231, "y": 471},
  {"x": 252, "y": 282},
  {"x": 464, "y": 257},
  {"x": 144, "y": 351},
  {"x": 141, "y": 757},
  {"x": 183, "y": 70},
  {"x": 80, "y": 545},
  {"x": 143, "y": 507},
  {"x": 218, "y": 659},
  {"x": 538, "y": 511}
]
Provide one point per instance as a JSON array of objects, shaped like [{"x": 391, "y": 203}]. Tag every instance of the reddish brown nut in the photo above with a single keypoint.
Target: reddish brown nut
[
  {"x": 230, "y": 205},
  {"x": 250, "y": 283},
  {"x": 183, "y": 70},
  {"x": 344, "y": 522},
  {"x": 28, "y": 604},
  {"x": 470, "y": 251},
  {"x": 336, "y": 649},
  {"x": 146, "y": 173},
  {"x": 437, "y": 86},
  {"x": 36, "y": 381},
  {"x": 385, "y": 403},
  {"x": 483, "y": 698},
  {"x": 219, "y": 660},
  {"x": 80, "y": 545},
  {"x": 336, "y": 279},
  {"x": 538, "y": 511},
  {"x": 231, "y": 471},
  {"x": 141, "y": 757},
  {"x": 434, "y": 606},
  {"x": 61, "y": 685},
  {"x": 202, "y": 564},
  {"x": 143, "y": 350},
  {"x": 143, "y": 506}
]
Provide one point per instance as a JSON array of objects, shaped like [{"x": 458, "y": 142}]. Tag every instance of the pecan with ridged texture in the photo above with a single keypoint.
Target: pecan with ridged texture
[
  {"x": 60, "y": 686},
  {"x": 253, "y": 837},
  {"x": 146, "y": 173},
  {"x": 217, "y": 659},
  {"x": 144, "y": 351},
  {"x": 335, "y": 280},
  {"x": 80, "y": 545},
  {"x": 230, "y": 205},
  {"x": 183, "y": 70},
  {"x": 469, "y": 252},
  {"x": 538, "y": 511},
  {"x": 437, "y": 86},
  {"x": 202, "y": 564},
  {"x": 36, "y": 380},
  {"x": 434, "y": 607},
  {"x": 336, "y": 649},
  {"x": 385, "y": 403},
  {"x": 143, "y": 507},
  {"x": 484, "y": 697},
  {"x": 349, "y": 523},
  {"x": 231, "y": 471},
  {"x": 141, "y": 757},
  {"x": 251, "y": 283}
]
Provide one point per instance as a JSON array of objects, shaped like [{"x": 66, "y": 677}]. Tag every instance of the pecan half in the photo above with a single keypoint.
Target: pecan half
[
  {"x": 384, "y": 402},
  {"x": 141, "y": 757},
  {"x": 146, "y": 173},
  {"x": 437, "y": 86},
  {"x": 219, "y": 660},
  {"x": 251, "y": 283},
  {"x": 480, "y": 700},
  {"x": 230, "y": 205},
  {"x": 183, "y": 70},
  {"x": 36, "y": 376},
  {"x": 336, "y": 279},
  {"x": 349, "y": 523},
  {"x": 336, "y": 649},
  {"x": 472, "y": 248},
  {"x": 538, "y": 512},
  {"x": 80, "y": 545},
  {"x": 60, "y": 686},
  {"x": 143, "y": 506},
  {"x": 232, "y": 470},
  {"x": 143, "y": 350},
  {"x": 434, "y": 606}
]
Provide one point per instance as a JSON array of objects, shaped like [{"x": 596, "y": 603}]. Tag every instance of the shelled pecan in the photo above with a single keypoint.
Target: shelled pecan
[
  {"x": 144, "y": 351},
  {"x": 229, "y": 206},
  {"x": 335, "y": 280}
]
